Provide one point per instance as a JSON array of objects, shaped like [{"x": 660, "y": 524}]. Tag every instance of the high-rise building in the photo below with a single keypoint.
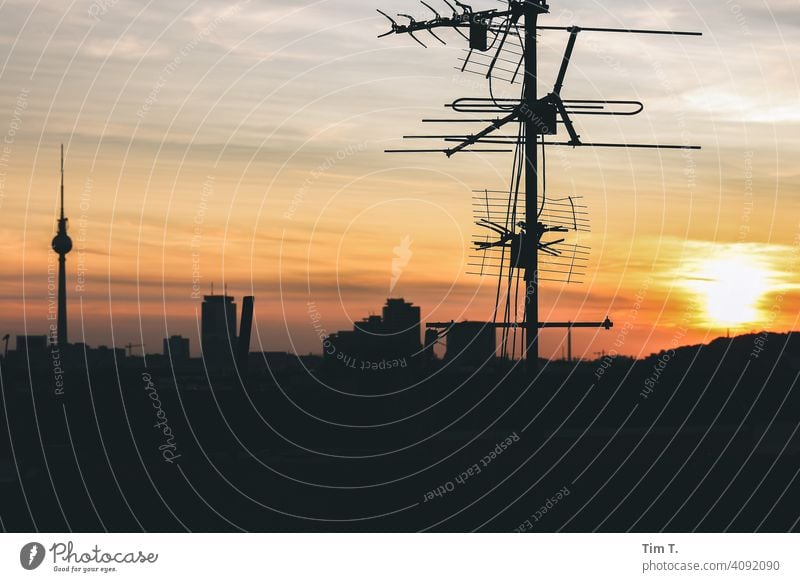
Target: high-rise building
[
  {"x": 401, "y": 323},
  {"x": 245, "y": 331},
  {"x": 218, "y": 329}
]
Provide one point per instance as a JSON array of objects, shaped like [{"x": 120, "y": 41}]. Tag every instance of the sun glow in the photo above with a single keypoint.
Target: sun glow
[{"x": 731, "y": 286}]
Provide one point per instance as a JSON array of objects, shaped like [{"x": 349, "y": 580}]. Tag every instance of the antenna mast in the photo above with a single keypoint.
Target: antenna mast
[
  {"x": 507, "y": 41},
  {"x": 533, "y": 228},
  {"x": 62, "y": 181}
]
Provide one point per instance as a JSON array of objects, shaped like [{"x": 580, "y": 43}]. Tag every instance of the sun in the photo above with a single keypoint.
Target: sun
[{"x": 731, "y": 286}]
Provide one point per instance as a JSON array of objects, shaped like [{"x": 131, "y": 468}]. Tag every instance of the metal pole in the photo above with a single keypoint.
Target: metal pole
[
  {"x": 569, "y": 342},
  {"x": 529, "y": 99}
]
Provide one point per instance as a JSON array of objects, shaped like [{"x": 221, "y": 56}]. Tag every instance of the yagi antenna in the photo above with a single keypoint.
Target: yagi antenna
[{"x": 523, "y": 232}]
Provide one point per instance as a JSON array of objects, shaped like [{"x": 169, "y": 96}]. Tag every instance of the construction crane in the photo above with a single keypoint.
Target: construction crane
[{"x": 130, "y": 347}]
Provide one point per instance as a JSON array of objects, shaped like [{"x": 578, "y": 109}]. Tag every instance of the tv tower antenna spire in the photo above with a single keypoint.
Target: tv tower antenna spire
[{"x": 504, "y": 42}]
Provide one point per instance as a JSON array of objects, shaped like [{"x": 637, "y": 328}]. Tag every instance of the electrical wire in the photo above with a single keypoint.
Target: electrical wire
[
  {"x": 544, "y": 179},
  {"x": 490, "y": 75},
  {"x": 510, "y": 216},
  {"x": 510, "y": 225}
]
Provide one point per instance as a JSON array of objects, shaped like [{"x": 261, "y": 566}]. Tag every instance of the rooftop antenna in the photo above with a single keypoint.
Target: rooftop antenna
[
  {"x": 503, "y": 46},
  {"x": 564, "y": 259}
]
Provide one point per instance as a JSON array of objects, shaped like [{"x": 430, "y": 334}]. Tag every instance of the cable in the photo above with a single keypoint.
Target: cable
[
  {"x": 489, "y": 75},
  {"x": 510, "y": 225},
  {"x": 516, "y": 312},
  {"x": 503, "y": 252},
  {"x": 544, "y": 179}
]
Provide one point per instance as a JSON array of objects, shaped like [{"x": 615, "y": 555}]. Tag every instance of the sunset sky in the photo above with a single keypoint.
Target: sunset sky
[{"x": 242, "y": 143}]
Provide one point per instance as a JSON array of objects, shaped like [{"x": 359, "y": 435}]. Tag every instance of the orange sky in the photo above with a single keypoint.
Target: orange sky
[{"x": 244, "y": 143}]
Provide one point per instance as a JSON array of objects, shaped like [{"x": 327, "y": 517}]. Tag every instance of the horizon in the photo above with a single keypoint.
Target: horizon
[{"x": 196, "y": 352}]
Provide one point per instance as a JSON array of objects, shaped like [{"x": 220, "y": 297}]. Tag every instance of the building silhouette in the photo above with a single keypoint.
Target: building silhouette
[
  {"x": 390, "y": 341},
  {"x": 176, "y": 348},
  {"x": 401, "y": 321},
  {"x": 245, "y": 331},
  {"x": 27, "y": 344},
  {"x": 222, "y": 349},
  {"x": 218, "y": 329}
]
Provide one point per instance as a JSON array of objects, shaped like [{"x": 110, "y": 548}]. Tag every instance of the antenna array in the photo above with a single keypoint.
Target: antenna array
[{"x": 524, "y": 234}]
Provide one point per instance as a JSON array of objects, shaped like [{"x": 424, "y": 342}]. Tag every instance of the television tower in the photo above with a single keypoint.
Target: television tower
[{"x": 62, "y": 245}]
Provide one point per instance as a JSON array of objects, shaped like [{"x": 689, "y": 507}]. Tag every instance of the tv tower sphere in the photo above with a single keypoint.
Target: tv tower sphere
[{"x": 62, "y": 244}]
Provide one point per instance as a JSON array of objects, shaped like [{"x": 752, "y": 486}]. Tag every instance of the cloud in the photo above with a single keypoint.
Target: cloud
[{"x": 125, "y": 48}]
